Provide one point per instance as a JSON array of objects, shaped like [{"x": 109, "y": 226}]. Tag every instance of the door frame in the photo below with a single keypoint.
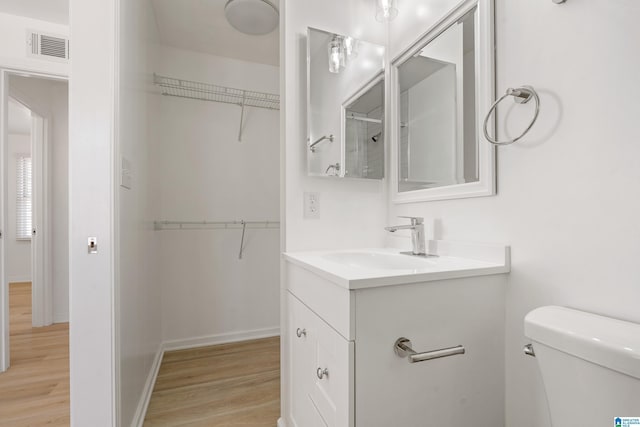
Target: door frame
[{"x": 42, "y": 303}]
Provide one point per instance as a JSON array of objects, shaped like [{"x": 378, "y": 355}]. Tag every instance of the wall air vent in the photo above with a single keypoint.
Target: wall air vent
[{"x": 47, "y": 46}]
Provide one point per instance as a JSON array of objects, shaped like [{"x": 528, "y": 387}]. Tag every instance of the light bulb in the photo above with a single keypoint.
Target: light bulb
[
  {"x": 335, "y": 55},
  {"x": 350, "y": 47},
  {"x": 386, "y": 10}
]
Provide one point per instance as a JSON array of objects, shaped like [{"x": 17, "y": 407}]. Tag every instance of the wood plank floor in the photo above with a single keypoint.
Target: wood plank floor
[
  {"x": 229, "y": 385},
  {"x": 35, "y": 389}
]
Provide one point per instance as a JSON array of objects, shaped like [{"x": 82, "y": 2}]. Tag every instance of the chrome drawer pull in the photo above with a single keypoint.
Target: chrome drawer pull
[
  {"x": 321, "y": 373},
  {"x": 301, "y": 332},
  {"x": 403, "y": 348}
]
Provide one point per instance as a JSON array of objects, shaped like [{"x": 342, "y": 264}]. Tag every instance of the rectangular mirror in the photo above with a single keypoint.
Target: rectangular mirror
[
  {"x": 340, "y": 70},
  {"x": 443, "y": 86}
]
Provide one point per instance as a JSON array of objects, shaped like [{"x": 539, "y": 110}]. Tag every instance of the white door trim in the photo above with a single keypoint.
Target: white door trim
[
  {"x": 4, "y": 288},
  {"x": 41, "y": 285}
]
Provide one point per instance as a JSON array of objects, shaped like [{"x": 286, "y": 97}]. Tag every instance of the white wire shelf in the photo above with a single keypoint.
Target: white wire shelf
[
  {"x": 210, "y": 92},
  {"x": 214, "y": 225}
]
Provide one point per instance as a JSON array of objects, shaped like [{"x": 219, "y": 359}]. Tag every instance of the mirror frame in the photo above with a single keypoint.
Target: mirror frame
[
  {"x": 380, "y": 77},
  {"x": 485, "y": 95}
]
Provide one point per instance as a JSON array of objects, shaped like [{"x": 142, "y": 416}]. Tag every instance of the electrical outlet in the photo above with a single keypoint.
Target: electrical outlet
[{"x": 311, "y": 205}]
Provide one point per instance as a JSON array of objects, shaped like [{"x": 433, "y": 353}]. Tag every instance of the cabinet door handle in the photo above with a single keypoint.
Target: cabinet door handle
[
  {"x": 321, "y": 373},
  {"x": 301, "y": 332}
]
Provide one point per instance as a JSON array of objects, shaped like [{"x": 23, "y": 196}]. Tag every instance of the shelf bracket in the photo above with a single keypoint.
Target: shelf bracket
[{"x": 244, "y": 94}]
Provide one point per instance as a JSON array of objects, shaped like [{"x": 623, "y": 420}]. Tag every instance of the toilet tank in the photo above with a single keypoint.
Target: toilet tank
[{"x": 590, "y": 365}]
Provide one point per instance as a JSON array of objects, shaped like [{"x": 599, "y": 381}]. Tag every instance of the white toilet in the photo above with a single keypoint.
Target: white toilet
[{"x": 590, "y": 365}]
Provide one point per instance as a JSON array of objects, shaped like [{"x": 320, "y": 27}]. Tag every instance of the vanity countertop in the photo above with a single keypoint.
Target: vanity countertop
[{"x": 373, "y": 267}]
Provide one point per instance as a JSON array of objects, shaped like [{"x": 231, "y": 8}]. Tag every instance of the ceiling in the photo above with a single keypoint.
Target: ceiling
[
  {"x": 200, "y": 25},
  {"x": 46, "y": 10},
  {"x": 19, "y": 118}
]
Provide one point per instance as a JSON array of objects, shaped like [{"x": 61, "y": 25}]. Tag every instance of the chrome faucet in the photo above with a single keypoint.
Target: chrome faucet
[{"x": 417, "y": 234}]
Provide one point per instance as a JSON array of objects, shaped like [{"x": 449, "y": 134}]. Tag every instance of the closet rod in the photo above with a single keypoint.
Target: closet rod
[
  {"x": 364, "y": 119},
  {"x": 214, "y": 225}
]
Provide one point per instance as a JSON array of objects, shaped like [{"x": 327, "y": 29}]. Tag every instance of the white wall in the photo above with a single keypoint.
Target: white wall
[
  {"x": 138, "y": 293},
  {"x": 49, "y": 98},
  {"x": 18, "y": 252},
  {"x": 13, "y": 44},
  {"x": 431, "y": 120},
  {"x": 566, "y": 194},
  {"x": 204, "y": 173},
  {"x": 59, "y": 192},
  {"x": 92, "y": 212}
]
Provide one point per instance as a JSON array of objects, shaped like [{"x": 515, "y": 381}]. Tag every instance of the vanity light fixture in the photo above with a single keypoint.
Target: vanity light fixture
[
  {"x": 336, "y": 54},
  {"x": 341, "y": 49},
  {"x": 350, "y": 47},
  {"x": 386, "y": 10}
]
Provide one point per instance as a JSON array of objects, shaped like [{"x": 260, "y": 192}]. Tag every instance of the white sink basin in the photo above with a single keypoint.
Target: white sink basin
[
  {"x": 380, "y": 260},
  {"x": 365, "y": 268}
]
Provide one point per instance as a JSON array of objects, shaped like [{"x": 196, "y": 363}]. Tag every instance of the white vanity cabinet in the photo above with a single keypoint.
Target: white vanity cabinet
[{"x": 349, "y": 326}]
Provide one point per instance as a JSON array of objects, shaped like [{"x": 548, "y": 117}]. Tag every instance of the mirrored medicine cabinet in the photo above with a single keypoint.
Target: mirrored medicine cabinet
[
  {"x": 345, "y": 106},
  {"x": 442, "y": 87}
]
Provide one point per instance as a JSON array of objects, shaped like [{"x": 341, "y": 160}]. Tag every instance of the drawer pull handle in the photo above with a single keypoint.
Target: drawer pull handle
[
  {"x": 301, "y": 332},
  {"x": 321, "y": 373},
  {"x": 403, "y": 348}
]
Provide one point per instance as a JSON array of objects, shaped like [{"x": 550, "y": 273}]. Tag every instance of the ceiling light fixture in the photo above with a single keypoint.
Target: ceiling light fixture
[
  {"x": 386, "y": 10},
  {"x": 253, "y": 17}
]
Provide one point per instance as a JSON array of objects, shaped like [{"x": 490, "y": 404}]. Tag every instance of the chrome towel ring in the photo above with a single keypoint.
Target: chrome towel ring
[{"x": 521, "y": 95}]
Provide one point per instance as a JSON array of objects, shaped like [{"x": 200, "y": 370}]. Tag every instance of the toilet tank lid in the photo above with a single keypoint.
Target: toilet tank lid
[{"x": 608, "y": 342}]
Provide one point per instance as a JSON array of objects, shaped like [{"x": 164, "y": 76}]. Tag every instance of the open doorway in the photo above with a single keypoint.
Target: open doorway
[{"x": 34, "y": 273}]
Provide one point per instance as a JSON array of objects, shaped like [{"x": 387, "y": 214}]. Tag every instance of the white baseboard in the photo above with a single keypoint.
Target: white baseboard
[
  {"x": 60, "y": 318},
  {"x": 143, "y": 404},
  {"x": 281, "y": 423},
  {"x": 221, "y": 339}
]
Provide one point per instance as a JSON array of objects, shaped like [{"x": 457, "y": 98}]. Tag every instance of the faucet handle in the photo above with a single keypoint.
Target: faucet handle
[{"x": 415, "y": 220}]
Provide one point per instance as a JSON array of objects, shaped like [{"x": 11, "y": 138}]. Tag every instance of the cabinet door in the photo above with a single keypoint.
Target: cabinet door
[
  {"x": 302, "y": 344},
  {"x": 332, "y": 391},
  {"x": 316, "y": 347}
]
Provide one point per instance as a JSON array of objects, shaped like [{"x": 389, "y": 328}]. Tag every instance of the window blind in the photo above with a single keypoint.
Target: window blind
[{"x": 24, "y": 198}]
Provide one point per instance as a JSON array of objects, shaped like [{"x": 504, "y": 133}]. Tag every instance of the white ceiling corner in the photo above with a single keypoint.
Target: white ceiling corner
[
  {"x": 200, "y": 25},
  {"x": 56, "y": 11}
]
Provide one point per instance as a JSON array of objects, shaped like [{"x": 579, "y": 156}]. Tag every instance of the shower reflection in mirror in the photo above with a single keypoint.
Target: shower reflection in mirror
[{"x": 364, "y": 132}]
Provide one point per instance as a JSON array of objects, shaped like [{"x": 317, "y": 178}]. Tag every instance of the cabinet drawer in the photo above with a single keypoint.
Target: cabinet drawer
[
  {"x": 335, "y": 305},
  {"x": 301, "y": 357}
]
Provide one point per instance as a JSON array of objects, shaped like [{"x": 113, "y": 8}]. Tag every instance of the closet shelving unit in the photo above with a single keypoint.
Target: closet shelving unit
[
  {"x": 209, "y": 92},
  {"x": 216, "y": 225}
]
